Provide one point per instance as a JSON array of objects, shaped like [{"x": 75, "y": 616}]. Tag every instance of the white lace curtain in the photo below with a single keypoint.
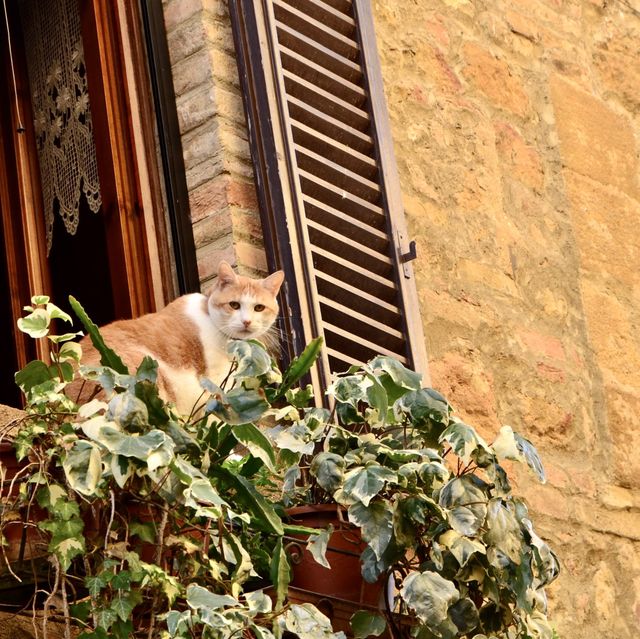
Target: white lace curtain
[{"x": 63, "y": 127}]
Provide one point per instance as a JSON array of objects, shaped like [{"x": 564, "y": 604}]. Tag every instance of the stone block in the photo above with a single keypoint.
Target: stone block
[
  {"x": 595, "y": 140},
  {"x": 521, "y": 160},
  {"x": 496, "y": 79},
  {"x": 623, "y": 417}
]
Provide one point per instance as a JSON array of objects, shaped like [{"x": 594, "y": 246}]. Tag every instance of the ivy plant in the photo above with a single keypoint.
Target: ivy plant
[{"x": 164, "y": 525}]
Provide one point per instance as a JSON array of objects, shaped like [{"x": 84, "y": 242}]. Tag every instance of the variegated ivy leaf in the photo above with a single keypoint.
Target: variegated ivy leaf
[
  {"x": 364, "y": 483},
  {"x": 83, "y": 467},
  {"x": 200, "y": 598},
  {"x": 367, "y": 624},
  {"x": 258, "y": 602},
  {"x": 429, "y": 595},
  {"x": 511, "y": 445},
  {"x": 328, "y": 469},
  {"x": 253, "y": 361},
  {"x": 376, "y": 523},
  {"x": 503, "y": 531},
  {"x": 317, "y": 546},
  {"x": 36, "y": 324},
  {"x": 545, "y": 559},
  {"x": 350, "y": 389},
  {"x": 235, "y": 553},
  {"x": 462, "y": 548},
  {"x": 401, "y": 376},
  {"x": 465, "y": 504},
  {"x": 463, "y": 439},
  {"x": 128, "y": 411},
  {"x": 307, "y": 622}
]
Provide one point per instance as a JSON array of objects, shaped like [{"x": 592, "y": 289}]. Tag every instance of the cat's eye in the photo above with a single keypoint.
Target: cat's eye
[
  {"x": 234, "y": 305},
  {"x": 258, "y": 308}
]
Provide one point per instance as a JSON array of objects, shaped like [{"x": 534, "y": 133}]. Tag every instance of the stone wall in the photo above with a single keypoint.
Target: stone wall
[
  {"x": 224, "y": 210},
  {"x": 516, "y": 126}
]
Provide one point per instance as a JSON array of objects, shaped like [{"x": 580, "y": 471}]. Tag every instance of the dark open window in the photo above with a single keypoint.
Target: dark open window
[{"x": 327, "y": 179}]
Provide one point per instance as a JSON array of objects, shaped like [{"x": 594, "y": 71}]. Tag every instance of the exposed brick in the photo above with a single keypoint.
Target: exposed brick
[
  {"x": 179, "y": 11},
  {"x": 195, "y": 109},
  {"x": 251, "y": 256},
  {"x": 192, "y": 72},
  {"x": 186, "y": 39}
]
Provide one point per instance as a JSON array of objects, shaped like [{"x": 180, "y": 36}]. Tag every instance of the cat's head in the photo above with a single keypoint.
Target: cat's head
[{"x": 243, "y": 307}]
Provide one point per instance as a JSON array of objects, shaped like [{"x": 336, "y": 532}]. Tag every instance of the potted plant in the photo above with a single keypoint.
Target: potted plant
[
  {"x": 432, "y": 502},
  {"x": 160, "y": 525},
  {"x": 154, "y": 527}
]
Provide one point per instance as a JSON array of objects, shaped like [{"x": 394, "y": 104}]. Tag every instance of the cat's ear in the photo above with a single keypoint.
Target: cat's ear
[
  {"x": 273, "y": 282},
  {"x": 226, "y": 275}
]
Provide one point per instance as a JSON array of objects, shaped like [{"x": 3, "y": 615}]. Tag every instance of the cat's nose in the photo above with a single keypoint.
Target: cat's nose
[{"x": 246, "y": 323}]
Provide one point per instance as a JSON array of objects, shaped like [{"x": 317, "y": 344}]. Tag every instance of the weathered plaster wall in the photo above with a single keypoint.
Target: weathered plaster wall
[
  {"x": 517, "y": 128},
  {"x": 222, "y": 198}
]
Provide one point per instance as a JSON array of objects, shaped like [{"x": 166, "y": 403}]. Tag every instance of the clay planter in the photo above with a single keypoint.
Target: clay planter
[{"x": 344, "y": 580}]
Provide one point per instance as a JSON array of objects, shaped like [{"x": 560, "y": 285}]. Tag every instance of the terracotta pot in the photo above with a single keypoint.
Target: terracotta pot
[{"x": 345, "y": 546}]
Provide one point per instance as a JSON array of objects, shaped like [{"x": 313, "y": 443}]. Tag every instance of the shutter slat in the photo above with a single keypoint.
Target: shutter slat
[
  {"x": 342, "y": 357},
  {"x": 329, "y": 126},
  {"x": 338, "y": 175},
  {"x": 333, "y": 150},
  {"x": 344, "y": 6},
  {"x": 325, "y": 101},
  {"x": 335, "y": 243},
  {"x": 341, "y": 200},
  {"x": 366, "y": 319},
  {"x": 320, "y": 212},
  {"x": 324, "y": 13},
  {"x": 322, "y": 78},
  {"x": 317, "y": 30},
  {"x": 360, "y": 341},
  {"x": 347, "y": 271},
  {"x": 320, "y": 54},
  {"x": 358, "y": 299}
]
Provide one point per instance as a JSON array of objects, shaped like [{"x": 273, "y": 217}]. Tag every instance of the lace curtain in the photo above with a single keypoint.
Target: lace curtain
[{"x": 63, "y": 127}]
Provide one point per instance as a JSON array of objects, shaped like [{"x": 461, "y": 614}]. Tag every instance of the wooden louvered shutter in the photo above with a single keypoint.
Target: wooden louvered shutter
[{"x": 326, "y": 177}]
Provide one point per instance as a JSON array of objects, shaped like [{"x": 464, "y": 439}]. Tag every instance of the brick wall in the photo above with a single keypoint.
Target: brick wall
[
  {"x": 224, "y": 210},
  {"x": 516, "y": 126}
]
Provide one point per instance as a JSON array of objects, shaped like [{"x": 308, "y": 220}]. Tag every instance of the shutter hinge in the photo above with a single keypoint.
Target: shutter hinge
[{"x": 407, "y": 257}]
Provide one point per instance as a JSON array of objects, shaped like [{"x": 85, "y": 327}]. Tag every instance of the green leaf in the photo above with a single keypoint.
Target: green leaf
[
  {"x": 38, "y": 300},
  {"x": 83, "y": 467},
  {"x": 364, "y": 483},
  {"x": 129, "y": 411},
  {"x": 123, "y": 606},
  {"x": 263, "y": 515},
  {"x": 462, "y": 548},
  {"x": 280, "y": 573},
  {"x": 259, "y": 446},
  {"x": 328, "y": 469},
  {"x": 464, "y": 615},
  {"x": 367, "y": 624},
  {"x": 57, "y": 313},
  {"x": 429, "y": 595},
  {"x": 67, "y": 549},
  {"x": 95, "y": 584},
  {"x": 300, "y": 366},
  {"x": 376, "y": 523},
  {"x": 107, "y": 356},
  {"x": 33, "y": 374}
]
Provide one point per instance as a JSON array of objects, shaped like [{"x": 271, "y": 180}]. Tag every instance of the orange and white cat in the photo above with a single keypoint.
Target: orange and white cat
[{"x": 188, "y": 338}]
